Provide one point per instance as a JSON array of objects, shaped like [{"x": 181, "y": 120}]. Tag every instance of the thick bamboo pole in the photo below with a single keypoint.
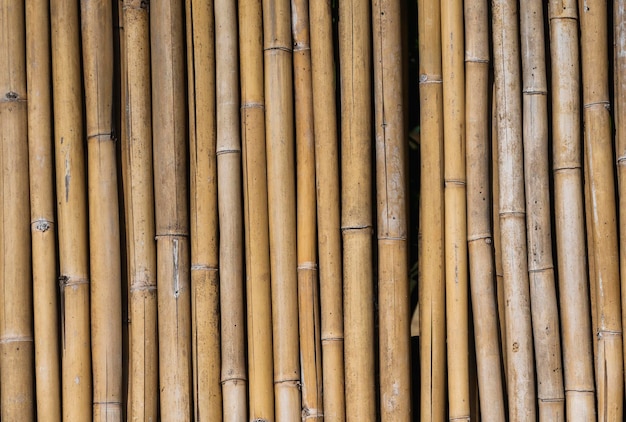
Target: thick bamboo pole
[
  {"x": 356, "y": 214},
  {"x": 260, "y": 358},
  {"x": 539, "y": 234},
  {"x": 171, "y": 210},
  {"x": 512, "y": 208},
  {"x": 17, "y": 397},
  {"x": 328, "y": 213},
  {"x": 43, "y": 226},
  {"x": 599, "y": 158},
  {"x": 71, "y": 211},
  {"x": 391, "y": 190},
  {"x": 308, "y": 288},
  {"x": 228, "y": 150}
]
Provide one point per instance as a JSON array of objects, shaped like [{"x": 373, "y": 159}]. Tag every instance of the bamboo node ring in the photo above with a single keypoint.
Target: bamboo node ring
[
  {"x": 604, "y": 104},
  {"x": 16, "y": 339},
  {"x": 604, "y": 333}
]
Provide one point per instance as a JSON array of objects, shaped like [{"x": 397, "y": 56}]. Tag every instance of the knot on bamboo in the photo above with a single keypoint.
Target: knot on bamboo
[
  {"x": 42, "y": 225},
  {"x": 430, "y": 79},
  {"x": 12, "y": 96}
]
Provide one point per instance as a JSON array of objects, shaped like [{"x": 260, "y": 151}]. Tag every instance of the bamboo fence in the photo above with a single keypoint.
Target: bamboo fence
[{"x": 191, "y": 190}]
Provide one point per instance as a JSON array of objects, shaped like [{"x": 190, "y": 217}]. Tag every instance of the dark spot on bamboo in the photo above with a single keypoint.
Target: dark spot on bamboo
[
  {"x": 515, "y": 347},
  {"x": 12, "y": 96},
  {"x": 144, "y": 4}
]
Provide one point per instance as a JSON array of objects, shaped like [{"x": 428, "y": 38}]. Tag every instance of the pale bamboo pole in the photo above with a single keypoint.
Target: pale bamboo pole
[
  {"x": 391, "y": 176},
  {"x": 328, "y": 211},
  {"x": 71, "y": 211},
  {"x": 308, "y": 288},
  {"x": 17, "y": 397},
  {"x": 432, "y": 290},
  {"x": 593, "y": 286},
  {"x": 544, "y": 306},
  {"x": 171, "y": 210},
  {"x": 43, "y": 226},
  {"x": 260, "y": 358},
  {"x": 599, "y": 158},
  {"x": 356, "y": 213},
  {"x": 479, "y": 234},
  {"x": 228, "y": 150},
  {"x": 521, "y": 383}
]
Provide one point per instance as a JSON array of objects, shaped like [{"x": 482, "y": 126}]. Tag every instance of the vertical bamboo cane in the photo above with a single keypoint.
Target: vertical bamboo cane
[
  {"x": 328, "y": 213},
  {"x": 599, "y": 158},
  {"x": 172, "y": 225},
  {"x": 260, "y": 362},
  {"x": 71, "y": 211},
  {"x": 356, "y": 214},
  {"x": 233, "y": 371},
  {"x": 512, "y": 213},
  {"x": 540, "y": 265},
  {"x": 479, "y": 236},
  {"x": 393, "y": 283},
  {"x": 308, "y": 290},
  {"x": 43, "y": 226},
  {"x": 17, "y": 399}
]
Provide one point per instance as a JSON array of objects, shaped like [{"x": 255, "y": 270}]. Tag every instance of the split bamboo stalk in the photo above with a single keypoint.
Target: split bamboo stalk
[
  {"x": 205, "y": 295},
  {"x": 143, "y": 388},
  {"x": 43, "y": 226},
  {"x": 71, "y": 212},
  {"x": 17, "y": 397},
  {"x": 328, "y": 212},
  {"x": 356, "y": 213},
  {"x": 543, "y": 302},
  {"x": 521, "y": 383},
  {"x": 171, "y": 210},
  {"x": 432, "y": 289},
  {"x": 260, "y": 358},
  {"x": 228, "y": 150},
  {"x": 599, "y": 158},
  {"x": 308, "y": 288},
  {"x": 479, "y": 235},
  {"x": 391, "y": 177}
]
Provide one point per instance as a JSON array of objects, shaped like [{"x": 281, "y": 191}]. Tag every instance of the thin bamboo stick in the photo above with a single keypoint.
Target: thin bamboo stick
[
  {"x": 260, "y": 358},
  {"x": 233, "y": 371},
  {"x": 43, "y": 226},
  {"x": 328, "y": 213}
]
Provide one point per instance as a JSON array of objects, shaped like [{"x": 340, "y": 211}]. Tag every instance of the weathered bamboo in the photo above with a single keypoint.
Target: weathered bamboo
[
  {"x": 260, "y": 358},
  {"x": 356, "y": 214},
  {"x": 599, "y": 157},
  {"x": 328, "y": 214},
  {"x": 228, "y": 150},
  {"x": 17, "y": 397},
  {"x": 520, "y": 383},
  {"x": 171, "y": 210},
  {"x": 71, "y": 211}
]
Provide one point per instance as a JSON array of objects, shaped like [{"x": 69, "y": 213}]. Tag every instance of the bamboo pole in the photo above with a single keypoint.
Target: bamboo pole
[
  {"x": 328, "y": 213},
  {"x": 71, "y": 212},
  {"x": 356, "y": 214},
  {"x": 599, "y": 158},
  {"x": 17, "y": 398},
  {"x": 479, "y": 234},
  {"x": 43, "y": 226},
  {"x": 308, "y": 288},
  {"x": 171, "y": 210},
  {"x": 233, "y": 371},
  {"x": 539, "y": 235},
  {"x": 512, "y": 213},
  {"x": 260, "y": 358}
]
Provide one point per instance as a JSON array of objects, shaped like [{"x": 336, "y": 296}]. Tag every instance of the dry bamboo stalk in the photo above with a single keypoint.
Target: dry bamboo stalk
[
  {"x": 43, "y": 227},
  {"x": 356, "y": 214},
  {"x": 432, "y": 289},
  {"x": 544, "y": 307},
  {"x": 260, "y": 358},
  {"x": 171, "y": 211},
  {"x": 593, "y": 286},
  {"x": 328, "y": 213},
  {"x": 479, "y": 235},
  {"x": 17, "y": 397},
  {"x": 228, "y": 150},
  {"x": 512, "y": 208},
  {"x": 308, "y": 289},
  {"x": 391, "y": 176},
  {"x": 71, "y": 212}
]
